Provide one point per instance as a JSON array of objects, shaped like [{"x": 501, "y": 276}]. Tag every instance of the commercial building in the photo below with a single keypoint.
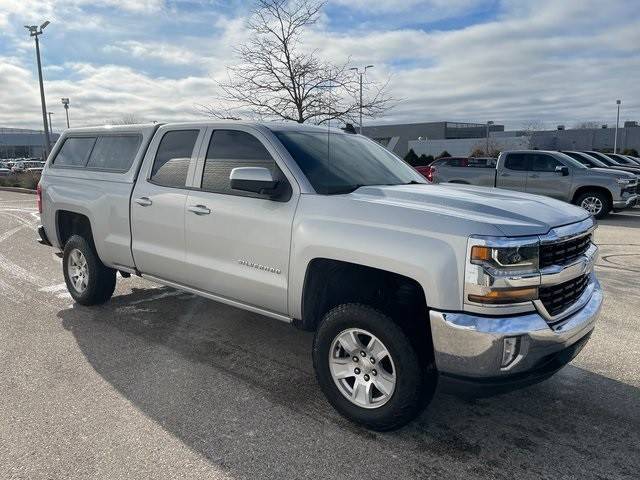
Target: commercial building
[
  {"x": 22, "y": 143},
  {"x": 397, "y": 137},
  {"x": 433, "y": 138}
]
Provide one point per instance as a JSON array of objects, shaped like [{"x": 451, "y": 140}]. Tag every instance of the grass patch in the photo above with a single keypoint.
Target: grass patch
[{"x": 23, "y": 180}]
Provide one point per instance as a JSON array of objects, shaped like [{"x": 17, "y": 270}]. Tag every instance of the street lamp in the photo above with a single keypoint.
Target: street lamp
[
  {"x": 489, "y": 123},
  {"x": 65, "y": 104},
  {"x": 34, "y": 31},
  {"x": 361, "y": 74},
  {"x": 50, "y": 125},
  {"x": 615, "y": 140}
]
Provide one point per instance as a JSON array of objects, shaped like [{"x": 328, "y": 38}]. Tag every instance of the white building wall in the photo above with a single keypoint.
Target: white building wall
[{"x": 464, "y": 146}]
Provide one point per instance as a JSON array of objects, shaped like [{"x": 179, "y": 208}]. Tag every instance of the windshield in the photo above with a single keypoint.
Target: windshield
[
  {"x": 603, "y": 158},
  {"x": 341, "y": 163},
  {"x": 571, "y": 161}
]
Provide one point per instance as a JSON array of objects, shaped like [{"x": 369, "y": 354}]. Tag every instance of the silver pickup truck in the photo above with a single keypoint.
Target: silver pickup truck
[
  {"x": 404, "y": 283},
  {"x": 549, "y": 173}
]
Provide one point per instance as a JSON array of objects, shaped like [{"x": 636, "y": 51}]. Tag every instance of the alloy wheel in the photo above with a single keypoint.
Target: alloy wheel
[
  {"x": 362, "y": 368},
  {"x": 78, "y": 270}
]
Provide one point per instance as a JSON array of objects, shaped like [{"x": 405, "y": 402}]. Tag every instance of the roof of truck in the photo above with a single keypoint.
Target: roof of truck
[{"x": 273, "y": 126}]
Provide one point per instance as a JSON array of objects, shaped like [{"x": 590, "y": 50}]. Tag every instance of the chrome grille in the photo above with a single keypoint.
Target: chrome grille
[
  {"x": 562, "y": 253},
  {"x": 557, "y": 298}
]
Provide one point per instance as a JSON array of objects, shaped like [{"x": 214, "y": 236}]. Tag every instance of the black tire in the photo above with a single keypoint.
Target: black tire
[
  {"x": 415, "y": 379},
  {"x": 602, "y": 197},
  {"x": 101, "y": 280}
]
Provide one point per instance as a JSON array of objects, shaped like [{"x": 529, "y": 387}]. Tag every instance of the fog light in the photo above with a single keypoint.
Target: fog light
[{"x": 510, "y": 350}]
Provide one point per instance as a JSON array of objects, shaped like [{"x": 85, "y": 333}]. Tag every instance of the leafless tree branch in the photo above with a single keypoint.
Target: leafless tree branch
[{"x": 276, "y": 79}]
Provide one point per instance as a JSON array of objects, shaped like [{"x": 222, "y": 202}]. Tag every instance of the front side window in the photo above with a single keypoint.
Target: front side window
[
  {"x": 74, "y": 152},
  {"x": 229, "y": 149},
  {"x": 114, "y": 152},
  {"x": 516, "y": 161},
  {"x": 544, "y": 163},
  {"x": 340, "y": 162},
  {"x": 172, "y": 160}
]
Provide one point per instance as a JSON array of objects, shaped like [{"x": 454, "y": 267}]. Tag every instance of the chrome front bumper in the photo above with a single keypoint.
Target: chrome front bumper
[
  {"x": 471, "y": 346},
  {"x": 627, "y": 202}
]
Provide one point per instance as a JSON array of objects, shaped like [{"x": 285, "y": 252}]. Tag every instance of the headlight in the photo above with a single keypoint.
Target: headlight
[
  {"x": 502, "y": 272},
  {"x": 624, "y": 181},
  {"x": 506, "y": 259}
]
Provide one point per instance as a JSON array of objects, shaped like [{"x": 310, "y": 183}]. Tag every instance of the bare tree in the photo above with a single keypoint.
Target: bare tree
[{"x": 276, "y": 79}]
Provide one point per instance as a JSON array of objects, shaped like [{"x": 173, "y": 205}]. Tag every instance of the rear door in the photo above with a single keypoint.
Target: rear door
[
  {"x": 512, "y": 174},
  {"x": 543, "y": 179},
  {"x": 238, "y": 242},
  {"x": 158, "y": 203}
]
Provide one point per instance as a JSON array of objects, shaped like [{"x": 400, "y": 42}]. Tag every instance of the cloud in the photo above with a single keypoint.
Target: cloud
[{"x": 545, "y": 60}]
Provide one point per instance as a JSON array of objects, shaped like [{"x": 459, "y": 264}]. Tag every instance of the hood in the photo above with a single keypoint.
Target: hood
[
  {"x": 511, "y": 213},
  {"x": 617, "y": 173}
]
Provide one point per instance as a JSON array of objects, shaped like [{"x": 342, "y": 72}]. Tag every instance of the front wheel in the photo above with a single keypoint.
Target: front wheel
[
  {"x": 88, "y": 280},
  {"x": 368, "y": 368},
  {"x": 596, "y": 203}
]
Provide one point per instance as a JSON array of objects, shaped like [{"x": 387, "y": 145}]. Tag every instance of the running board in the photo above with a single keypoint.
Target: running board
[{"x": 217, "y": 298}]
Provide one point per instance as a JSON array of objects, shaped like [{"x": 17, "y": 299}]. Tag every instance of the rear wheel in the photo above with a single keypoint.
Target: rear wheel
[
  {"x": 596, "y": 203},
  {"x": 88, "y": 280},
  {"x": 368, "y": 368}
]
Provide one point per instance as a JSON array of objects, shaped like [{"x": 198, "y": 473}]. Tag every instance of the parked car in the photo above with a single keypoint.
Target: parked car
[
  {"x": 635, "y": 160},
  {"x": 4, "y": 172},
  {"x": 404, "y": 283},
  {"x": 621, "y": 159},
  {"x": 477, "y": 162},
  {"x": 592, "y": 162},
  {"x": 610, "y": 161},
  {"x": 553, "y": 174}
]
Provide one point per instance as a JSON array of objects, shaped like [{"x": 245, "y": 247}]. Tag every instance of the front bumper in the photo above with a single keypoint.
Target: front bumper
[
  {"x": 470, "y": 347},
  {"x": 628, "y": 202}
]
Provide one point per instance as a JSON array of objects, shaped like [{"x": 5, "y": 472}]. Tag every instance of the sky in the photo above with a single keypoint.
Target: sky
[{"x": 515, "y": 62}]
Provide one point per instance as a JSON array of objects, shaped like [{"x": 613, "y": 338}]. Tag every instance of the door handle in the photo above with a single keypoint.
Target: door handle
[
  {"x": 505, "y": 175},
  {"x": 199, "y": 209},
  {"x": 534, "y": 176},
  {"x": 143, "y": 201}
]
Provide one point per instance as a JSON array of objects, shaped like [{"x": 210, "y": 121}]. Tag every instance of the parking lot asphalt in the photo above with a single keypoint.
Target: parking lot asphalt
[{"x": 161, "y": 384}]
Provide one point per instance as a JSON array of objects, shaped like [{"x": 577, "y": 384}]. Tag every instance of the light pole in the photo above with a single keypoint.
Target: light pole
[
  {"x": 615, "y": 140},
  {"x": 34, "y": 31},
  {"x": 50, "y": 125},
  {"x": 361, "y": 74},
  {"x": 490, "y": 122},
  {"x": 65, "y": 104}
]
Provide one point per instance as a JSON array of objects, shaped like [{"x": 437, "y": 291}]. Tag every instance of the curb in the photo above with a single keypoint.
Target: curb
[{"x": 17, "y": 189}]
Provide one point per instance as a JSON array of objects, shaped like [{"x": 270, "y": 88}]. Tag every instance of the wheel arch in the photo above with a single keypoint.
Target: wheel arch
[
  {"x": 592, "y": 188},
  {"x": 329, "y": 282}
]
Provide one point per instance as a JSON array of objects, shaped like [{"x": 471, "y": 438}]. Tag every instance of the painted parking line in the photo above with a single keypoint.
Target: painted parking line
[{"x": 54, "y": 288}]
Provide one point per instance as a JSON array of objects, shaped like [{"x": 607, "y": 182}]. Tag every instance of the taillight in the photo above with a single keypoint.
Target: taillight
[
  {"x": 430, "y": 172},
  {"x": 39, "y": 198}
]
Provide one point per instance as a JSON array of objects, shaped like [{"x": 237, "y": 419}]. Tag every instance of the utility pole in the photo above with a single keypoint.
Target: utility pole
[
  {"x": 615, "y": 140},
  {"x": 35, "y": 31},
  {"x": 361, "y": 75},
  {"x": 487, "y": 149},
  {"x": 65, "y": 104}
]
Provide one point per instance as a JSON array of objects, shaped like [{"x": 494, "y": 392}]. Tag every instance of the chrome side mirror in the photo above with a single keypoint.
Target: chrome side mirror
[{"x": 253, "y": 179}]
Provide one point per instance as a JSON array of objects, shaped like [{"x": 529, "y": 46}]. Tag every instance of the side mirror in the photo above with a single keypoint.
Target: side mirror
[
  {"x": 253, "y": 179},
  {"x": 563, "y": 170}
]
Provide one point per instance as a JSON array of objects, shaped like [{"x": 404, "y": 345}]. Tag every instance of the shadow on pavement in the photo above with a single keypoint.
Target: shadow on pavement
[
  {"x": 625, "y": 218},
  {"x": 239, "y": 389}
]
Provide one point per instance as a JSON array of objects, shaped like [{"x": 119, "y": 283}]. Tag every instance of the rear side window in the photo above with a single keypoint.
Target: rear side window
[
  {"x": 74, "y": 152},
  {"x": 114, "y": 152},
  {"x": 172, "y": 160},
  {"x": 516, "y": 161},
  {"x": 227, "y": 150}
]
